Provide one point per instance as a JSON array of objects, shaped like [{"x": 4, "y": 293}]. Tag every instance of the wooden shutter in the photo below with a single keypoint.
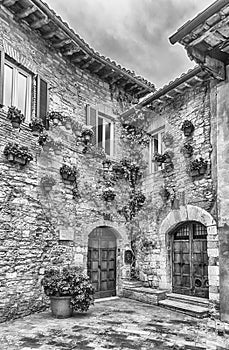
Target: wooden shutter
[
  {"x": 42, "y": 100},
  {"x": 91, "y": 119},
  {"x": 2, "y": 60}
]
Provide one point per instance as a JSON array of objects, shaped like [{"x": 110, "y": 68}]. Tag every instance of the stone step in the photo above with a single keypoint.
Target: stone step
[
  {"x": 145, "y": 295},
  {"x": 132, "y": 284},
  {"x": 188, "y": 309},
  {"x": 188, "y": 299}
]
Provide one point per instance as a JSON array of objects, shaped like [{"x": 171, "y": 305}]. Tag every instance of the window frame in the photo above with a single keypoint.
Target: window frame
[
  {"x": 16, "y": 71},
  {"x": 108, "y": 119},
  {"x": 153, "y": 166}
]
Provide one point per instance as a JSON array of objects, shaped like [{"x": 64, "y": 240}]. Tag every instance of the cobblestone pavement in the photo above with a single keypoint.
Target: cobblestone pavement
[{"x": 120, "y": 324}]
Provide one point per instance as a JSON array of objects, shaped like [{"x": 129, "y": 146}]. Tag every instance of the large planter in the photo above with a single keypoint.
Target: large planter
[{"x": 61, "y": 307}]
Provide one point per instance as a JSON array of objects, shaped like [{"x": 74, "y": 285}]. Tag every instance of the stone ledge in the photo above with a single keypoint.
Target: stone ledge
[{"x": 145, "y": 295}]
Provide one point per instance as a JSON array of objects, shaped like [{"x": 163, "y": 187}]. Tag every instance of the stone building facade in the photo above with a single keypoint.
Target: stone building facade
[{"x": 45, "y": 67}]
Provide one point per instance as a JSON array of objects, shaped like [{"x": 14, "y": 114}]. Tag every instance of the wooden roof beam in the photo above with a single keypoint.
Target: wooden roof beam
[
  {"x": 133, "y": 87},
  {"x": 50, "y": 34},
  {"x": 62, "y": 43},
  {"x": 9, "y": 2},
  {"x": 70, "y": 51},
  {"x": 99, "y": 68},
  {"x": 26, "y": 12},
  {"x": 87, "y": 64},
  {"x": 80, "y": 57},
  {"x": 107, "y": 74},
  {"x": 40, "y": 23}
]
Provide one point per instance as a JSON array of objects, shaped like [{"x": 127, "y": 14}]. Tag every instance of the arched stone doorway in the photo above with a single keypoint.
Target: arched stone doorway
[
  {"x": 101, "y": 261},
  {"x": 185, "y": 214},
  {"x": 190, "y": 259}
]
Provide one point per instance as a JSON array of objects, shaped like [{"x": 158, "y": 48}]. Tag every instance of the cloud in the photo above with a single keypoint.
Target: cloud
[{"x": 134, "y": 33}]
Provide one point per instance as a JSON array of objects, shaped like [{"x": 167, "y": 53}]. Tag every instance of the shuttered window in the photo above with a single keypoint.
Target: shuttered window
[
  {"x": 2, "y": 59},
  {"x": 17, "y": 88},
  {"x": 42, "y": 100},
  {"x": 103, "y": 127},
  {"x": 155, "y": 146}
]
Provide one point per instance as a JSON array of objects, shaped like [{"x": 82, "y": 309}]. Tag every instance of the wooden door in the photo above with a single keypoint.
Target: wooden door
[
  {"x": 102, "y": 262},
  {"x": 190, "y": 260}
]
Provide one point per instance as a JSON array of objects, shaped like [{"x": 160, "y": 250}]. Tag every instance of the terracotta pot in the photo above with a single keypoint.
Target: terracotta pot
[
  {"x": 10, "y": 157},
  {"x": 187, "y": 131},
  {"x": 202, "y": 170},
  {"x": 47, "y": 188},
  {"x": 68, "y": 126},
  {"x": 187, "y": 155},
  {"x": 71, "y": 178},
  {"x": 194, "y": 172},
  {"x": 15, "y": 124},
  {"x": 65, "y": 176},
  {"x": 55, "y": 121},
  {"x": 61, "y": 307},
  {"x": 20, "y": 160},
  {"x": 36, "y": 132}
]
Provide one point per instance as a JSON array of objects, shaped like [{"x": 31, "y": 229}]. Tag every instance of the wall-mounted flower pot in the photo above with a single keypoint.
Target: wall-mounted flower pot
[
  {"x": 35, "y": 132},
  {"x": 47, "y": 188},
  {"x": 68, "y": 126},
  {"x": 187, "y": 155},
  {"x": 71, "y": 178},
  {"x": 55, "y": 121},
  {"x": 202, "y": 170},
  {"x": 187, "y": 131},
  {"x": 194, "y": 173},
  {"x": 10, "y": 157},
  {"x": 15, "y": 124},
  {"x": 65, "y": 176},
  {"x": 20, "y": 160}
]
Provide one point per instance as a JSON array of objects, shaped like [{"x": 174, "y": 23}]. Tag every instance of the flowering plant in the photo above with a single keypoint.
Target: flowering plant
[
  {"x": 69, "y": 173},
  {"x": 55, "y": 116},
  {"x": 198, "y": 164},
  {"x": 187, "y": 149},
  {"x": 36, "y": 124},
  {"x": 19, "y": 152},
  {"x": 14, "y": 114},
  {"x": 109, "y": 194},
  {"x": 69, "y": 281},
  {"x": 87, "y": 130},
  {"x": 48, "y": 180},
  {"x": 187, "y": 127},
  {"x": 159, "y": 158}
]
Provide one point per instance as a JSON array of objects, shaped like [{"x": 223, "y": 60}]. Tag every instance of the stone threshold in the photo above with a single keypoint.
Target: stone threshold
[{"x": 99, "y": 300}]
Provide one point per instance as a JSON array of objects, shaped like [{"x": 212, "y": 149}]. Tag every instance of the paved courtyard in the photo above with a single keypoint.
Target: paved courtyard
[{"x": 118, "y": 324}]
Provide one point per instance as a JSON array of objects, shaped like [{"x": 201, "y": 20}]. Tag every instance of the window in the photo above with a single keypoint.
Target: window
[
  {"x": 17, "y": 88},
  {"x": 103, "y": 127},
  {"x": 156, "y": 146}
]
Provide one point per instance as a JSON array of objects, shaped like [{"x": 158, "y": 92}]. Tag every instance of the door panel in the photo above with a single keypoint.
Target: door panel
[
  {"x": 190, "y": 260},
  {"x": 102, "y": 262}
]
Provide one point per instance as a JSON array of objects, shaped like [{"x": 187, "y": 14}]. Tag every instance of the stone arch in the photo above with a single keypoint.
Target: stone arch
[
  {"x": 122, "y": 243},
  {"x": 182, "y": 215}
]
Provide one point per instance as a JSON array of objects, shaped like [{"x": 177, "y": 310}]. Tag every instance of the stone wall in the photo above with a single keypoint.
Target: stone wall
[
  {"x": 199, "y": 192},
  {"x": 38, "y": 228}
]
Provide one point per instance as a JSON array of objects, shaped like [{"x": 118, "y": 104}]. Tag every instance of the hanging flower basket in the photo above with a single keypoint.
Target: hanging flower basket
[
  {"x": 42, "y": 139},
  {"x": 198, "y": 167},
  {"x": 14, "y": 153},
  {"x": 55, "y": 117},
  {"x": 36, "y": 127},
  {"x": 15, "y": 116},
  {"x": 69, "y": 173},
  {"x": 159, "y": 158},
  {"x": 47, "y": 183},
  {"x": 187, "y": 128},
  {"x": 109, "y": 194},
  {"x": 187, "y": 150}
]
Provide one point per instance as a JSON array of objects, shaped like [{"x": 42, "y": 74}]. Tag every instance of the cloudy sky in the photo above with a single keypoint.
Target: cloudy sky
[{"x": 134, "y": 33}]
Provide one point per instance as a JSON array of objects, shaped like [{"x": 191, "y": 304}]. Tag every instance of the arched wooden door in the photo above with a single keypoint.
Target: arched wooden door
[
  {"x": 190, "y": 260},
  {"x": 102, "y": 262}
]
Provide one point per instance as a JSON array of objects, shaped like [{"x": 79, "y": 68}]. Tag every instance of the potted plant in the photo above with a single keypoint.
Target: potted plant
[
  {"x": 55, "y": 117},
  {"x": 36, "y": 127},
  {"x": 187, "y": 150},
  {"x": 87, "y": 133},
  {"x": 164, "y": 193},
  {"x": 69, "y": 289},
  {"x": 11, "y": 150},
  {"x": 198, "y": 167},
  {"x": 167, "y": 138},
  {"x": 23, "y": 156},
  {"x": 15, "y": 116},
  {"x": 57, "y": 146},
  {"x": 69, "y": 173},
  {"x": 159, "y": 158},
  {"x": 47, "y": 182},
  {"x": 42, "y": 139},
  {"x": 109, "y": 194},
  {"x": 187, "y": 128}
]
